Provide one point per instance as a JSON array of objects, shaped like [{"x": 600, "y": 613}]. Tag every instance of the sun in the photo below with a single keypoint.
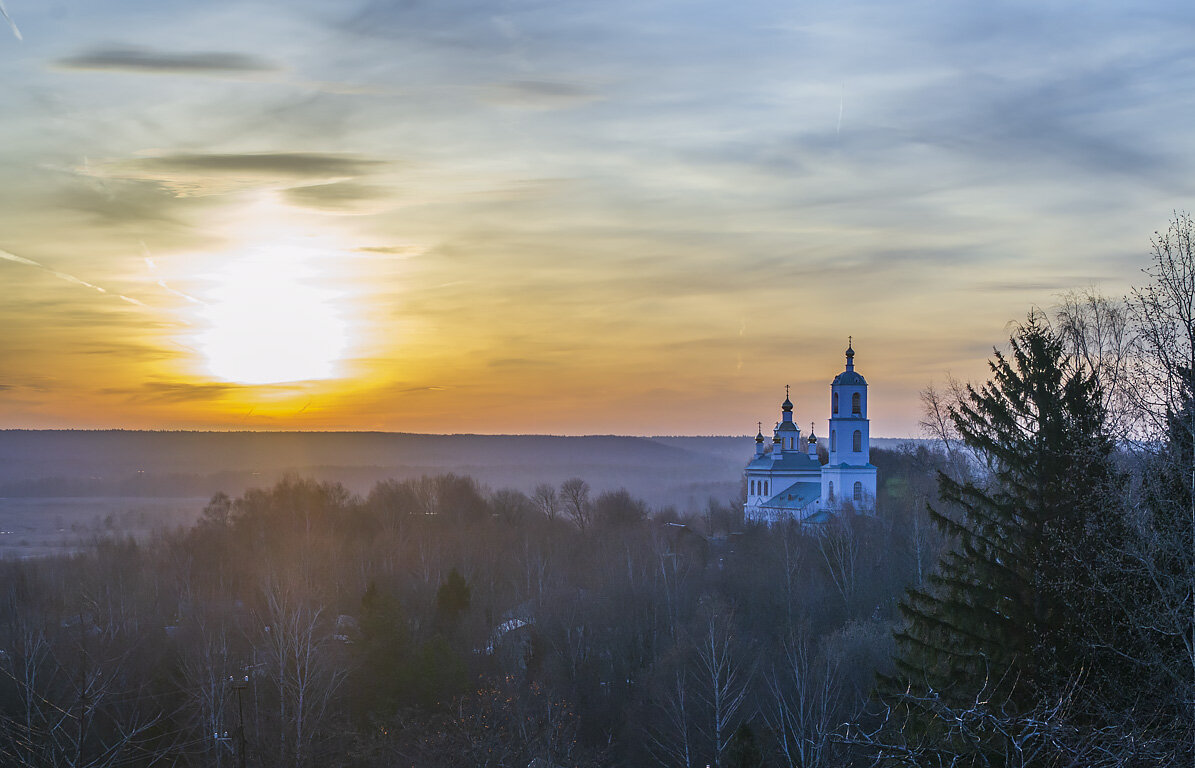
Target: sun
[{"x": 270, "y": 319}]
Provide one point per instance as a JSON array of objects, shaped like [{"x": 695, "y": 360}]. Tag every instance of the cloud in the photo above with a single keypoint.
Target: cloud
[
  {"x": 127, "y": 351},
  {"x": 148, "y": 61},
  {"x": 339, "y": 197},
  {"x": 518, "y": 362},
  {"x": 538, "y": 94},
  {"x": 12, "y": 24},
  {"x": 174, "y": 392},
  {"x": 391, "y": 250},
  {"x": 276, "y": 164},
  {"x": 205, "y": 174}
]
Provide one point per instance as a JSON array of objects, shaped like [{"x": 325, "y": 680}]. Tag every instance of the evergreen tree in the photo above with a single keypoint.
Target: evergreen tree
[
  {"x": 1003, "y": 619},
  {"x": 382, "y": 678},
  {"x": 453, "y": 596}
]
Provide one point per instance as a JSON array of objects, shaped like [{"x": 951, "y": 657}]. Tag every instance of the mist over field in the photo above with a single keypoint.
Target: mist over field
[{"x": 682, "y": 472}]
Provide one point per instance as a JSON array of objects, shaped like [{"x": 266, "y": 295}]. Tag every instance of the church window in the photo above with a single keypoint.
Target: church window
[
  {"x": 857, "y": 441},
  {"x": 831, "y": 490},
  {"x": 765, "y": 487},
  {"x": 858, "y": 492},
  {"x": 835, "y": 399},
  {"x": 752, "y": 487},
  {"x": 833, "y": 440},
  {"x": 856, "y": 404}
]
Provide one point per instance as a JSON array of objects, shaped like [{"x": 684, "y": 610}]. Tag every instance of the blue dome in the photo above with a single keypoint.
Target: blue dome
[{"x": 851, "y": 378}]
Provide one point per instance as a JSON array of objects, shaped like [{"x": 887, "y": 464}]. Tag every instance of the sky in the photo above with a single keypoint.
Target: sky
[{"x": 522, "y": 216}]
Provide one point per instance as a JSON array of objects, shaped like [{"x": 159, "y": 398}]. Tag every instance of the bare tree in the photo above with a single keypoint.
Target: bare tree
[
  {"x": 546, "y": 500},
  {"x": 300, "y": 664},
  {"x": 839, "y": 548},
  {"x": 937, "y": 424},
  {"x": 1096, "y": 331},
  {"x": 671, "y": 742},
  {"x": 204, "y": 669},
  {"x": 800, "y": 703},
  {"x": 722, "y": 680},
  {"x": 74, "y": 705},
  {"x": 575, "y": 494},
  {"x": 983, "y": 732},
  {"x": 1163, "y": 317}
]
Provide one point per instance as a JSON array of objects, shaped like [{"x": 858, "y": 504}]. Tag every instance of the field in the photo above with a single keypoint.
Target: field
[{"x": 34, "y": 527}]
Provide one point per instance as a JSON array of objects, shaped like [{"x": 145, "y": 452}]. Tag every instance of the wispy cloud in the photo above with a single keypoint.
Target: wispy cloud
[
  {"x": 206, "y": 174},
  {"x": 539, "y": 94},
  {"x": 146, "y": 60},
  {"x": 342, "y": 197},
  {"x": 174, "y": 391},
  {"x": 11, "y": 24}
]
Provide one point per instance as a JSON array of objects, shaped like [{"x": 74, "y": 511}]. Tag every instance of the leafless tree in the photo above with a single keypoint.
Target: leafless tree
[
  {"x": 839, "y": 549},
  {"x": 722, "y": 679},
  {"x": 204, "y": 670},
  {"x": 574, "y": 492},
  {"x": 984, "y": 733},
  {"x": 300, "y": 665},
  {"x": 937, "y": 424},
  {"x": 1162, "y": 313},
  {"x": 1097, "y": 334},
  {"x": 76, "y": 708},
  {"x": 671, "y": 741},
  {"x": 546, "y": 500},
  {"x": 801, "y": 702},
  {"x": 1163, "y": 371},
  {"x": 793, "y": 554}
]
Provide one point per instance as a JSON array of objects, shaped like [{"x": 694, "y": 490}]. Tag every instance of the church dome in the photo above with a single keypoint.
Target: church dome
[{"x": 850, "y": 377}]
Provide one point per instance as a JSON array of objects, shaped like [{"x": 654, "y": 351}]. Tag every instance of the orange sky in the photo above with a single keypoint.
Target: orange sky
[{"x": 612, "y": 219}]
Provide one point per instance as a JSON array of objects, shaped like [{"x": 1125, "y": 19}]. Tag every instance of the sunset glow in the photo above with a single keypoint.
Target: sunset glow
[
  {"x": 269, "y": 321},
  {"x": 635, "y": 219}
]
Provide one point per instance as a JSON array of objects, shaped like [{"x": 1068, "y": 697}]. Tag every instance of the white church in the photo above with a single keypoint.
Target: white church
[{"x": 787, "y": 481}]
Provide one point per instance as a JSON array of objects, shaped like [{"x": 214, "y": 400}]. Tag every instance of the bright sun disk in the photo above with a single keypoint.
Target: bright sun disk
[{"x": 269, "y": 321}]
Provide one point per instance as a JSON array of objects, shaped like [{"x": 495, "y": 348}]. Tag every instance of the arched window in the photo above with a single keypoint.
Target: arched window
[
  {"x": 833, "y": 440},
  {"x": 857, "y": 441},
  {"x": 856, "y": 404},
  {"x": 752, "y": 487},
  {"x": 858, "y": 492},
  {"x": 834, "y": 397},
  {"x": 765, "y": 487},
  {"x": 831, "y": 490}
]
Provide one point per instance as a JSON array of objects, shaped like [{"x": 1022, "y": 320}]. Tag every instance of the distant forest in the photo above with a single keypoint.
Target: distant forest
[
  {"x": 431, "y": 622},
  {"x": 1024, "y": 596}
]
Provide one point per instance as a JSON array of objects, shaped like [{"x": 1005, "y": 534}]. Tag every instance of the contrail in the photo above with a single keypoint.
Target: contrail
[
  {"x": 153, "y": 267},
  {"x": 4, "y": 12},
  {"x": 841, "y": 94},
  {"x": 54, "y": 272},
  {"x": 63, "y": 276}
]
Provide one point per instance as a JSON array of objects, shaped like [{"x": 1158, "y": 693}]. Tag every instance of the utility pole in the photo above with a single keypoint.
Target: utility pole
[{"x": 239, "y": 684}]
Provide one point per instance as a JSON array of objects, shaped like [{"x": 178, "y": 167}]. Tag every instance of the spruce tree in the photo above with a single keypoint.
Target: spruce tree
[{"x": 1003, "y": 620}]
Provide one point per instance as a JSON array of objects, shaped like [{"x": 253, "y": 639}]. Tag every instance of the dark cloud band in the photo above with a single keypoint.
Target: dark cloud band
[{"x": 161, "y": 62}]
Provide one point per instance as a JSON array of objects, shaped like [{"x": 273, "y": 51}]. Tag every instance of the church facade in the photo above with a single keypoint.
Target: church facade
[{"x": 787, "y": 481}]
